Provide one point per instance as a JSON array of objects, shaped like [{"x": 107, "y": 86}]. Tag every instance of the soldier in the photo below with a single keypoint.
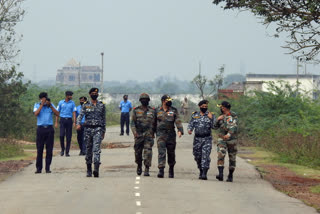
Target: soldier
[
  {"x": 202, "y": 122},
  {"x": 143, "y": 127},
  {"x": 227, "y": 123},
  {"x": 94, "y": 130},
  {"x": 167, "y": 116}
]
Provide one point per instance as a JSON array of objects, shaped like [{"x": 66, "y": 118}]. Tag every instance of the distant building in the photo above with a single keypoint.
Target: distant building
[
  {"x": 74, "y": 74},
  {"x": 309, "y": 83},
  {"x": 232, "y": 91}
]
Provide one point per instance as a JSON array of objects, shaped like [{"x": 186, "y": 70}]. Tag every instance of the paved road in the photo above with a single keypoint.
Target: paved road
[{"x": 119, "y": 190}]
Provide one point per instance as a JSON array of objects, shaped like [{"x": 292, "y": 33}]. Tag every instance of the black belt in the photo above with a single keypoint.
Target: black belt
[
  {"x": 49, "y": 126},
  {"x": 202, "y": 135},
  {"x": 66, "y": 118},
  {"x": 92, "y": 126}
]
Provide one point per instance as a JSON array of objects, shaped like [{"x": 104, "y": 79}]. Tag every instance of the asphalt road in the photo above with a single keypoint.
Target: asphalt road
[{"x": 120, "y": 190}]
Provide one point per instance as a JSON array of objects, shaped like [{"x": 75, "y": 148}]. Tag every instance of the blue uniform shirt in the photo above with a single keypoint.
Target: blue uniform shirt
[
  {"x": 79, "y": 107},
  {"x": 125, "y": 106},
  {"x": 66, "y": 108},
  {"x": 44, "y": 118}
]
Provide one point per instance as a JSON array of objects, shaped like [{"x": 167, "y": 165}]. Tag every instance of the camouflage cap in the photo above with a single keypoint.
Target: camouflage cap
[{"x": 144, "y": 96}]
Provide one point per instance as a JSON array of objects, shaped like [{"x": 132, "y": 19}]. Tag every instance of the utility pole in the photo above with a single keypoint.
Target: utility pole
[
  {"x": 79, "y": 74},
  {"x": 101, "y": 86}
]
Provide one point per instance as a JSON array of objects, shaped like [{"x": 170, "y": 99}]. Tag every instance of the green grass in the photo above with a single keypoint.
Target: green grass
[
  {"x": 24, "y": 156},
  {"x": 9, "y": 148},
  {"x": 315, "y": 189}
]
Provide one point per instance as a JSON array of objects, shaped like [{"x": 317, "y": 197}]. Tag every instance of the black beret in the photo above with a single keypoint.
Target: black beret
[
  {"x": 225, "y": 104},
  {"x": 43, "y": 94},
  {"x": 203, "y": 102},
  {"x": 166, "y": 97},
  {"x": 93, "y": 90}
]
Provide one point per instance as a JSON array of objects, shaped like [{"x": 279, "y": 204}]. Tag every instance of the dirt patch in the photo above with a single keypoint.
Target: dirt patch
[
  {"x": 292, "y": 184},
  {"x": 8, "y": 168},
  {"x": 114, "y": 146}
]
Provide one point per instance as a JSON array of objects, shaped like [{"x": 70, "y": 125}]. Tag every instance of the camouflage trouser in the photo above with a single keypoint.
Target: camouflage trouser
[
  {"x": 166, "y": 144},
  {"x": 201, "y": 150},
  {"x": 222, "y": 148},
  {"x": 92, "y": 139},
  {"x": 143, "y": 143}
]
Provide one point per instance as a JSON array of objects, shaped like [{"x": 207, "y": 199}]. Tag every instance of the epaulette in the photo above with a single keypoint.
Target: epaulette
[{"x": 194, "y": 112}]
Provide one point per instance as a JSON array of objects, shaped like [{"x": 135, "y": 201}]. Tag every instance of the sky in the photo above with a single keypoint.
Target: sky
[{"x": 145, "y": 39}]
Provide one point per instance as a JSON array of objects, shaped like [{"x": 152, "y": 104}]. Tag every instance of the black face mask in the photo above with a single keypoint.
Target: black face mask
[
  {"x": 203, "y": 110},
  {"x": 81, "y": 103},
  {"x": 144, "y": 102},
  {"x": 94, "y": 97},
  {"x": 169, "y": 104}
]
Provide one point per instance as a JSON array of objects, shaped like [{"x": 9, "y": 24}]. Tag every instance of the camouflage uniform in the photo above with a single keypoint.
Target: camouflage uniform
[
  {"x": 202, "y": 143},
  {"x": 228, "y": 125},
  {"x": 166, "y": 135},
  {"x": 143, "y": 126},
  {"x": 94, "y": 128}
]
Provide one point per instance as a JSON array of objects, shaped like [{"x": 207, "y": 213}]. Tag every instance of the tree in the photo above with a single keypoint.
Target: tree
[
  {"x": 217, "y": 81},
  {"x": 200, "y": 81},
  {"x": 11, "y": 13},
  {"x": 299, "y": 18}
]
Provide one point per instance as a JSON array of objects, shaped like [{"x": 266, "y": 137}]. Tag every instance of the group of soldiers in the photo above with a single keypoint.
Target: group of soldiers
[{"x": 147, "y": 123}]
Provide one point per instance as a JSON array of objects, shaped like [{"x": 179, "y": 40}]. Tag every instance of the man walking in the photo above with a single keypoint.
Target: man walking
[
  {"x": 143, "y": 127},
  {"x": 202, "y": 122},
  {"x": 227, "y": 125},
  {"x": 125, "y": 107},
  {"x": 44, "y": 111},
  {"x": 80, "y": 137},
  {"x": 67, "y": 109},
  {"x": 167, "y": 117},
  {"x": 94, "y": 130}
]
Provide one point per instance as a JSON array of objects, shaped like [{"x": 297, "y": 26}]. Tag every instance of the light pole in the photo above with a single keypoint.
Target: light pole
[{"x": 101, "y": 86}]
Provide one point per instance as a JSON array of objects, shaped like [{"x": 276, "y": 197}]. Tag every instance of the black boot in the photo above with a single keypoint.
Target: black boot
[
  {"x": 139, "y": 169},
  {"x": 220, "y": 176},
  {"x": 89, "y": 170},
  {"x": 96, "y": 170},
  {"x": 171, "y": 172},
  {"x": 204, "y": 174},
  {"x": 230, "y": 176},
  {"x": 200, "y": 169},
  {"x": 146, "y": 171},
  {"x": 161, "y": 173}
]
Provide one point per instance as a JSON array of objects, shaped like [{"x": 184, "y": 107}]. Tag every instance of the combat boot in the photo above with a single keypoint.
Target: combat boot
[
  {"x": 204, "y": 174},
  {"x": 96, "y": 170},
  {"x": 230, "y": 176},
  {"x": 146, "y": 171},
  {"x": 89, "y": 170},
  {"x": 139, "y": 169},
  {"x": 220, "y": 176},
  {"x": 171, "y": 172},
  {"x": 161, "y": 173}
]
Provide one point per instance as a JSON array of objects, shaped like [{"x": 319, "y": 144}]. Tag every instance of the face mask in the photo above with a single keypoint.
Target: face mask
[
  {"x": 125, "y": 99},
  {"x": 169, "y": 103},
  {"x": 94, "y": 97},
  {"x": 144, "y": 102},
  {"x": 203, "y": 110},
  {"x": 81, "y": 103}
]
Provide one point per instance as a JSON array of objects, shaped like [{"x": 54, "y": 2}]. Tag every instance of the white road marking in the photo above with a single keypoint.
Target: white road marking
[
  {"x": 248, "y": 160},
  {"x": 137, "y": 182},
  {"x": 136, "y": 187},
  {"x": 137, "y": 178},
  {"x": 138, "y": 203},
  {"x": 138, "y": 212},
  {"x": 137, "y": 194}
]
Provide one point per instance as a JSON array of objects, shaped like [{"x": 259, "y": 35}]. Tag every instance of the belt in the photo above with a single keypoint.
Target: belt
[
  {"x": 202, "y": 135},
  {"x": 49, "y": 126},
  {"x": 66, "y": 118},
  {"x": 92, "y": 126}
]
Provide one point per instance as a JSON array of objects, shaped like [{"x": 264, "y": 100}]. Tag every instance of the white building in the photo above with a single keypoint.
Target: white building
[{"x": 309, "y": 83}]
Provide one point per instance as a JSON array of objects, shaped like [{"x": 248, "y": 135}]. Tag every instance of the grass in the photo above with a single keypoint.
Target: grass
[
  {"x": 315, "y": 189},
  {"x": 10, "y": 148},
  {"x": 260, "y": 156},
  {"x": 24, "y": 156}
]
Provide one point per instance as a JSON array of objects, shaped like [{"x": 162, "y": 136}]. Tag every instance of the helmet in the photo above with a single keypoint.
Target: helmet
[{"x": 144, "y": 96}]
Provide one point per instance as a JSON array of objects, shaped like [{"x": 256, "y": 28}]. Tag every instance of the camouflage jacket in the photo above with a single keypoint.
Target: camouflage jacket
[
  {"x": 228, "y": 125},
  {"x": 201, "y": 123},
  {"x": 167, "y": 119},
  {"x": 143, "y": 122},
  {"x": 95, "y": 115}
]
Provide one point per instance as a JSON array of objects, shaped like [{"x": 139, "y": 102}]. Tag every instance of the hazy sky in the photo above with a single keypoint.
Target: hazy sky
[{"x": 144, "y": 39}]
